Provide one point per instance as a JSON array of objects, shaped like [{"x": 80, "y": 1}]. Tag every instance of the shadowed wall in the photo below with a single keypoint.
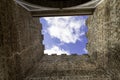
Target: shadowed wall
[
  {"x": 21, "y": 44},
  {"x": 20, "y": 41}
]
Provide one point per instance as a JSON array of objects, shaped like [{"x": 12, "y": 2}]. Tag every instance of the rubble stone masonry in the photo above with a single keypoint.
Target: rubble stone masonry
[
  {"x": 104, "y": 36},
  {"x": 20, "y": 41},
  {"x": 21, "y": 49}
]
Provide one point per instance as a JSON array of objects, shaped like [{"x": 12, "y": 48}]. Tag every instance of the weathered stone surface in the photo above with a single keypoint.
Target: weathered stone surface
[
  {"x": 67, "y": 67},
  {"x": 21, "y": 47},
  {"x": 19, "y": 35},
  {"x": 29, "y": 39},
  {"x": 10, "y": 68},
  {"x": 104, "y": 36},
  {"x": 77, "y": 77},
  {"x": 61, "y": 62}
]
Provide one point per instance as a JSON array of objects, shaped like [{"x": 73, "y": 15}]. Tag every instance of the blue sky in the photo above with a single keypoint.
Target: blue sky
[{"x": 64, "y": 35}]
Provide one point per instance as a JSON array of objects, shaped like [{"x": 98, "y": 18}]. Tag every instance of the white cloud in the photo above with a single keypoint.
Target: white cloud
[
  {"x": 66, "y": 29},
  {"x": 56, "y": 50},
  {"x": 85, "y": 50}
]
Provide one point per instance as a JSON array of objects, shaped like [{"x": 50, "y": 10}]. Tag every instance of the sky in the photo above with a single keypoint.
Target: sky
[{"x": 64, "y": 35}]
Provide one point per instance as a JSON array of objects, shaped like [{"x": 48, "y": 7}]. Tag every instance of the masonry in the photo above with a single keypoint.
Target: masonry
[
  {"x": 21, "y": 49},
  {"x": 104, "y": 35},
  {"x": 20, "y": 41}
]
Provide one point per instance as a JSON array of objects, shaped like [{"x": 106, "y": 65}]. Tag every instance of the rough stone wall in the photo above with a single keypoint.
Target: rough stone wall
[
  {"x": 20, "y": 41},
  {"x": 62, "y": 67},
  {"x": 21, "y": 46},
  {"x": 29, "y": 39},
  {"x": 104, "y": 36},
  {"x": 76, "y": 77},
  {"x": 67, "y": 62}
]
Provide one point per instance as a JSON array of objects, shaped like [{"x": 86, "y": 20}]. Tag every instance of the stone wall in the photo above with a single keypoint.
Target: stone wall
[
  {"x": 77, "y": 77},
  {"x": 104, "y": 36},
  {"x": 67, "y": 67},
  {"x": 66, "y": 62},
  {"x": 21, "y": 46},
  {"x": 20, "y": 41}
]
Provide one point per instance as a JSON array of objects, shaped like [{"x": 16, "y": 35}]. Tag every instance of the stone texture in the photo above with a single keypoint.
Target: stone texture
[
  {"x": 78, "y": 77},
  {"x": 62, "y": 67},
  {"x": 21, "y": 49},
  {"x": 104, "y": 36},
  {"x": 29, "y": 39},
  {"x": 20, "y": 41}
]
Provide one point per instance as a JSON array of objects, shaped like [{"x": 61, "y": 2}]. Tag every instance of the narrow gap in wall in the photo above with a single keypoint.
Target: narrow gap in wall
[{"x": 65, "y": 35}]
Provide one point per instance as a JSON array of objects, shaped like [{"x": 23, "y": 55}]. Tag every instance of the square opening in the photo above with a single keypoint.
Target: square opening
[{"x": 65, "y": 35}]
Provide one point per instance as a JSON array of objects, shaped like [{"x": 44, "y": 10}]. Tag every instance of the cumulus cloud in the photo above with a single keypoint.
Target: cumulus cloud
[
  {"x": 85, "y": 50},
  {"x": 66, "y": 29},
  {"x": 56, "y": 50}
]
